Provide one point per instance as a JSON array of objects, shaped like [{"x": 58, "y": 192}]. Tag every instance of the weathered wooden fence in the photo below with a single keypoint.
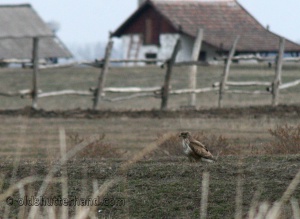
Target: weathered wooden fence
[
  {"x": 165, "y": 90},
  {"x": 272, "y": 87},
  {"x": 99, "y": 91}
]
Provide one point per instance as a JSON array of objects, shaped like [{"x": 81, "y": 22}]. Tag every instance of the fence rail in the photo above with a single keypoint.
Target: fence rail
[{"x": 259, "y": 58}]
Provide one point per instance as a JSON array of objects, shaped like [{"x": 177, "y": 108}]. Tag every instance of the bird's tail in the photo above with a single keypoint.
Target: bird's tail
[{"x": 211, "y": 160}]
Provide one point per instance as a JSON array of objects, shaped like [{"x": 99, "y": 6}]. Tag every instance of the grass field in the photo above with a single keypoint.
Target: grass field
[
  {"x": 84, "y": 78},
  {"x": 158, "y": 185}
]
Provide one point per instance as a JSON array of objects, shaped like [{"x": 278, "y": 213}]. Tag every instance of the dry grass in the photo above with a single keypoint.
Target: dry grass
[
  {"x": 84, "y": 210},
  {"x": 84, "y": 78},
  {"x": 97, "y": 149},
  {"x": 286, "y": 140},
  {"x": 169, "y": 147},
  {"x": 158, "y": 189},
  {"x": 155, "y": 188}
]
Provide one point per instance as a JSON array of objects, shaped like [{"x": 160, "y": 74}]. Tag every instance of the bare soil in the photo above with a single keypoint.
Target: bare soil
[{"x": 288, "y": 111}]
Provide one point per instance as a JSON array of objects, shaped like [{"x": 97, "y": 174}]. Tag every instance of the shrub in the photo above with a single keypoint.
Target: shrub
[
  {"x": 286, "y": 140},
  {"x": 97, "y": 149},
  {"x": 217, "y": 145},
  {"x": 170, "y": 147}
]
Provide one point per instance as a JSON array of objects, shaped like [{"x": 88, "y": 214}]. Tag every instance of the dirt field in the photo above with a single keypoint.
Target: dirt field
[{"x": 160, "y": 185}]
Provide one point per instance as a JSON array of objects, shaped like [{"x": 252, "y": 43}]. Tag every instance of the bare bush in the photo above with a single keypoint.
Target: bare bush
[
  {"x": 216, "y": 144},
  {"x": 97, "y": 149},
  {"x": 286, "y": 140},
  {"x": 170, "y": 147}
]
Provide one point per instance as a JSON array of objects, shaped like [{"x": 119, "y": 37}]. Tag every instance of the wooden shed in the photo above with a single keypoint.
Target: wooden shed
[
  {"x": 19, "y": 24},
  {"x": 152, "y": 30}
]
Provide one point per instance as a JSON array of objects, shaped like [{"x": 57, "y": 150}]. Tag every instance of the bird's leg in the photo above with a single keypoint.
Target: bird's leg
[{"x": 193, "y": 160}]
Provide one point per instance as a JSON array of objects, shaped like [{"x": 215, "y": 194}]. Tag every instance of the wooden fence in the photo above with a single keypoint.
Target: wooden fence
[
  {"x": 272, "y": 87},
  {"x": 165, "y": 90}
]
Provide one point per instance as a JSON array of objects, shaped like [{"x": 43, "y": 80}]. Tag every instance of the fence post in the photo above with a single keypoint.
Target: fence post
[
  {"x": 278, "y": 72},
  {"x": 35, "y": 65},
  {"x": 204, "y": 195},
  {"x": 103, "y": 73},
  {"x": 165, "y": 88},
  {"x": 226, "y": 71},
  {"x": 194, "y": 68}
]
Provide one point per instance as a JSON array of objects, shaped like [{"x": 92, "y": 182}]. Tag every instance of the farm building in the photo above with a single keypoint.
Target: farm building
[
  {"x": 152, "y": 30},
  {"x": 19, "y": 24}
]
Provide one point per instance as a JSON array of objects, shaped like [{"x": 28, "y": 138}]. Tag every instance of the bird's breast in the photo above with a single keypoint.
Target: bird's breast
[{"x": 186, "y": 148}]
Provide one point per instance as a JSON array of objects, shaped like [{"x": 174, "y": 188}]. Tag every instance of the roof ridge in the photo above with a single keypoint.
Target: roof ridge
[{"x": 15, "y": 5}]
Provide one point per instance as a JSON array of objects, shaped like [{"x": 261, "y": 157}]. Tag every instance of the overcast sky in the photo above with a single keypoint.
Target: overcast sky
[{"x": 88, "y": 21}]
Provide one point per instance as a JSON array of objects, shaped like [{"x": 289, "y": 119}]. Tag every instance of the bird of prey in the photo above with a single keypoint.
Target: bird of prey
[{"x": 194, "y": 149}]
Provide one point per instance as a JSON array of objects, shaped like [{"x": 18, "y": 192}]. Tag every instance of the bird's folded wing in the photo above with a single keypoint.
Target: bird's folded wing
[
  {"x": 198, "y": 144},
  {"x": 200, "y": 149}
]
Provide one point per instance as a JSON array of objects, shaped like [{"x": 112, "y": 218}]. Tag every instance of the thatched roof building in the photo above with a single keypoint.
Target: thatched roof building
[{"x": 19, "y": 24}]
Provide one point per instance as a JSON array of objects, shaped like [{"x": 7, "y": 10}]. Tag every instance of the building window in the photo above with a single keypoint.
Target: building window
[{"x": 151, "y": 55}]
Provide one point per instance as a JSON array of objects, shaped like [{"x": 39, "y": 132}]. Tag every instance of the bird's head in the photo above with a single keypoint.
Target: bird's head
[{"x": 185, "y": 135}]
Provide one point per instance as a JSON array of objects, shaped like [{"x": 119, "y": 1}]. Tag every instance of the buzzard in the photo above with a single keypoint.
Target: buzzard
[{"x": 194, "y": 149}]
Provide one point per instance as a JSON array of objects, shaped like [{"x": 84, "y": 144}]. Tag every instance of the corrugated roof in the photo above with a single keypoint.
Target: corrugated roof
[
  {"x": 222, "y": 21},
  {"x": 18, "y": 25}
]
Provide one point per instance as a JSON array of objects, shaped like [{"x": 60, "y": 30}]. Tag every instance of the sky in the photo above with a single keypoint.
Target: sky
[{"x": 89, "y": 21}]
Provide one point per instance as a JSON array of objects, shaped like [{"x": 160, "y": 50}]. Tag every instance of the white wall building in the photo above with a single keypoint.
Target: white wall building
[{"x": 152, "y": 30}]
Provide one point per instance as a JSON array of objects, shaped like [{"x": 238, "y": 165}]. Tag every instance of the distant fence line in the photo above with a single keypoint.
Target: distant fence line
[
  {"x": 165, "y": 90},
  {"x": 273, "y": 88}
]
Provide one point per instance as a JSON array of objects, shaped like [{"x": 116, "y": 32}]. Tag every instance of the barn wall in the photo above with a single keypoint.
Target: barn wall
[
  {"x": 151, "y": 22},
  {"x": 187, "y": 48},
  {"x": 211, "y": 53},
  {"x": 167, "y": 42}
]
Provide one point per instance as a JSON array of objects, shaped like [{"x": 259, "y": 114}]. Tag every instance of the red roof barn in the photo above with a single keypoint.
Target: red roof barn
[{"x": 152, "y": 30}]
